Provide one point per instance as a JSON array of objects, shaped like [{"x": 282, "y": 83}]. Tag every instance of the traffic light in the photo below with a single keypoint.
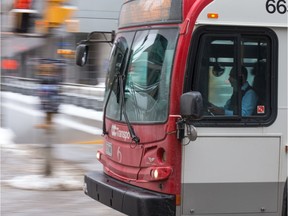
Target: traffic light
[
  {"x": 23, "y": 15},
  {"x": 56, "y": 13},
  {"x": 22, "y": 4}
]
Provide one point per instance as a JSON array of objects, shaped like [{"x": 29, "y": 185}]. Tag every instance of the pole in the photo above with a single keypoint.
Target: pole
[
  {"x": 48, "y": 146},
  {"x": 47, "y": 150}
]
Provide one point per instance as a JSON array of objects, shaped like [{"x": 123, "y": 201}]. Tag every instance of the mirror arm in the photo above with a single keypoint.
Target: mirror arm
[
  {"x": 180, "y": 125},
  {"x": 90, "y": 39},
  {"x": 191, "y": 132}
]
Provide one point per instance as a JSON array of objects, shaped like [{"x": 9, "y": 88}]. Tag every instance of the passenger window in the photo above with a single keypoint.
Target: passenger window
[{"x": 233, "y": 74}]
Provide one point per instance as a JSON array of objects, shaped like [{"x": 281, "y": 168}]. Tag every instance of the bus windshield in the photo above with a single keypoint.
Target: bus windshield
[{"x": 143, "y": 59}]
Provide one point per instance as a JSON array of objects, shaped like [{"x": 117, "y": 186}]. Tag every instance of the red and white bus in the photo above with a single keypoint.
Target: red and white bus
[{"x": 196, "y": 109}]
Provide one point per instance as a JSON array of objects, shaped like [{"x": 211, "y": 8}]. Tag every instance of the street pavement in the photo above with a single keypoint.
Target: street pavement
[{"x": 25, "y": 190}]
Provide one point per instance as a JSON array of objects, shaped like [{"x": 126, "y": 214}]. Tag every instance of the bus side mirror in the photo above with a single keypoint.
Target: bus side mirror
[
  {"x": 191, "y": 105},
  {"x": 81, "y": 54}
]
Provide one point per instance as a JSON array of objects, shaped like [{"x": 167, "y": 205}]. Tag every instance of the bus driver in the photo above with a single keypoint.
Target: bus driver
[{"x": 249, "y": 97}]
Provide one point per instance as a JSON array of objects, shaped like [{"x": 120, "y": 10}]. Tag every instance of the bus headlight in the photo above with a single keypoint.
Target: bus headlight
[
  {"x": 98, "y": 155},
  {"x": 160, "y": 173},
  {"x": 155, "y": 174}
]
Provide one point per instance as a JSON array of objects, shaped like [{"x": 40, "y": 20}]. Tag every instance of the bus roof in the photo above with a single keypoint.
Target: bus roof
[{"x": 269, "y": 13}]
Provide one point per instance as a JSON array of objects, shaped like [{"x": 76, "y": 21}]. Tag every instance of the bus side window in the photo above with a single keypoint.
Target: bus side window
[{"x": 235, "y": 71}]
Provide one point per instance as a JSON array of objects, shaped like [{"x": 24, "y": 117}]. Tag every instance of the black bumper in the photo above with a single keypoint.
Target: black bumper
[{"x": 126, "y": 198}]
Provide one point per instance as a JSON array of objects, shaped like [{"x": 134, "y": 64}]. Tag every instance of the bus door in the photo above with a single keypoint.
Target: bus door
[{"x": 233, "y": 166}]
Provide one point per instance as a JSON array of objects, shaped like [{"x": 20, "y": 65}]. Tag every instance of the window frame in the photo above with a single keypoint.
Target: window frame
[{"x": 239, "y": 33}]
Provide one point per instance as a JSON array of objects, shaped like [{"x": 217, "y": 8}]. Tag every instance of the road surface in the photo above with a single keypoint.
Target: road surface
[{"x": 21, "y": 156}]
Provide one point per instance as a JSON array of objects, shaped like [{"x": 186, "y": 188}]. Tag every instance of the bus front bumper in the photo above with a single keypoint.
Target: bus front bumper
[{"x": 126, "y": 198}]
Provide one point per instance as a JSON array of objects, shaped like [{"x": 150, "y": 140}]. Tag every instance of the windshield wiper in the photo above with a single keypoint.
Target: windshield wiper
[
  {"x": 120, "y": 95},
  {"x": 106, "y": 104},
  {"x": 133, "y": 135},
  {"x": 116, "y": 77}
]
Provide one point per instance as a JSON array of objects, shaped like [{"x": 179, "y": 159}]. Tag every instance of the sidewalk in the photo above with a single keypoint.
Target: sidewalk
[{"x": 23, "y": 165}]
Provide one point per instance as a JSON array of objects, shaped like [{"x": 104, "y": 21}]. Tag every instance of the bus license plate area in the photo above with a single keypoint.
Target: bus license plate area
[{"x": 108, "y": 149}]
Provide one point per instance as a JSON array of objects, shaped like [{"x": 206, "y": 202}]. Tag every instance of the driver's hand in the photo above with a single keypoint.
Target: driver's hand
[{"x": 215, "y": 110}]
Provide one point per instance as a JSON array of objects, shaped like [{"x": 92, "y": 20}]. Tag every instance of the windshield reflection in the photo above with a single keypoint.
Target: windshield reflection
[{"x": 147, "y": 74}]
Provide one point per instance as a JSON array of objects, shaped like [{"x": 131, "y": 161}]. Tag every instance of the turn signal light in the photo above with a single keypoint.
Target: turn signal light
[{"x": 213, "y": 15}]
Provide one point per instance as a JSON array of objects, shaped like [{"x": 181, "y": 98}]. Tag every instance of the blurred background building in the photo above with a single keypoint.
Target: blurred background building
[{"x": 33, "y": 30}]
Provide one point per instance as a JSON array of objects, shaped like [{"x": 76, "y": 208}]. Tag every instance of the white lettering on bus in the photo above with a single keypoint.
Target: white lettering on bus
[{"x": 115, "y": 131}]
